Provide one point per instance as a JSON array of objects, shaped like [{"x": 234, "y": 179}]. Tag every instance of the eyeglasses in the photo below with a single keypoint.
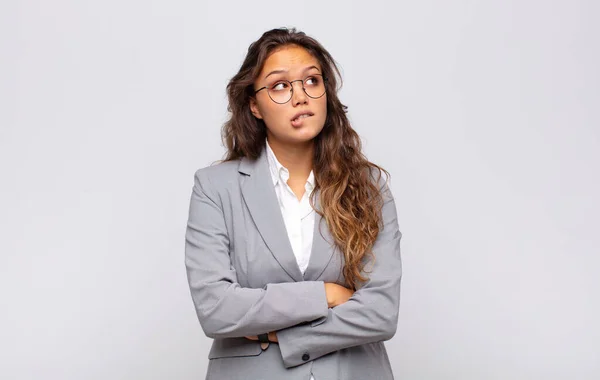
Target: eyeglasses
[{"x": 281, "y": 91}]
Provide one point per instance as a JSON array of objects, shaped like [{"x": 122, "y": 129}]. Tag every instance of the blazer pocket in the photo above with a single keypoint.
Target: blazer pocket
[{"x": 234, "y": 347}]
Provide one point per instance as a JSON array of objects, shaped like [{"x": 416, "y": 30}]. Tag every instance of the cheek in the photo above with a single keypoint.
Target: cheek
[
  {"x": 323, "y": 110},
  {"x": 273, "y": 113},
  {"x": 323, "y": 104}
]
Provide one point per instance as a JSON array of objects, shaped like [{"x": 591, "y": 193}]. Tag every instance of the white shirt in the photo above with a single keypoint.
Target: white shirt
[{"x": 298, "y": 216}]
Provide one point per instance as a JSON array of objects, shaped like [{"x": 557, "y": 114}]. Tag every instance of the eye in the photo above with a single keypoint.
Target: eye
[
  {"x": 280, "y": 86},
  {"x": 312, "y": 81}
]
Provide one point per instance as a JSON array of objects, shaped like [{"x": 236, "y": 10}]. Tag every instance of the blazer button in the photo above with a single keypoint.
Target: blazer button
[{"x": 306, "y": 356}]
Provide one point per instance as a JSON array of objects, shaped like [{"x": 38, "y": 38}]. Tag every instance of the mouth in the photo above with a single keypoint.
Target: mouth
[{"x": 301, "y": 115}]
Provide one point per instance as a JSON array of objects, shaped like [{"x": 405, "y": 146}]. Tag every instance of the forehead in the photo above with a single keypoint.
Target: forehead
[{"x": 289, "y": 58}]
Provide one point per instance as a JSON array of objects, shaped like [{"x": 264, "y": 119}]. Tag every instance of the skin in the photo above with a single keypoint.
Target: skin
[{"x": 293, "y": 146}]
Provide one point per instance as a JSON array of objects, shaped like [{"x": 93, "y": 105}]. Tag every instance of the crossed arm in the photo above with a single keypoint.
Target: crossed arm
[
  {"x": 307, "y": 316},
  {"x": 335, "y": 294}
]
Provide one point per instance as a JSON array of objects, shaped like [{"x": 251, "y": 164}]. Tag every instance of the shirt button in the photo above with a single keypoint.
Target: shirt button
[{"x": 306, "y": 356}]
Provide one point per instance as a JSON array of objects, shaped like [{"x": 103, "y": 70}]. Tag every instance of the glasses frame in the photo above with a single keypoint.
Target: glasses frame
[{"x": 292, "y": 88}]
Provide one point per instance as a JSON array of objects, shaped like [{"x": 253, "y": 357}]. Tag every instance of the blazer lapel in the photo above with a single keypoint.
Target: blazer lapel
[
  {"x": 322, "y": 246},
  {"x": 260, "y": 198}
]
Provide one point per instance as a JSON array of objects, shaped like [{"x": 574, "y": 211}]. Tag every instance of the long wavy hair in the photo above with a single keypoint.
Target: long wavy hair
[{"x": 350, "y": 198}]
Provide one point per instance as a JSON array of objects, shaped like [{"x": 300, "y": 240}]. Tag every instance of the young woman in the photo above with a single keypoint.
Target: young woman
[{"x": 292, "y": 243}]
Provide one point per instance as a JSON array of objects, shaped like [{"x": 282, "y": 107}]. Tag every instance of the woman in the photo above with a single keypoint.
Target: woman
[{"x": 292, "y": 242}]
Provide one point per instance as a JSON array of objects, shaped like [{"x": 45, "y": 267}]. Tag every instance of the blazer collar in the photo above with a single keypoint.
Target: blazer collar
[{"x": 260, "y": 198}]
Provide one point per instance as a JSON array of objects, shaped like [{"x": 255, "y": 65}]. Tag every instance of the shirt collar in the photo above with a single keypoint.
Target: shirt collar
[{"x": 280, "y": 172}]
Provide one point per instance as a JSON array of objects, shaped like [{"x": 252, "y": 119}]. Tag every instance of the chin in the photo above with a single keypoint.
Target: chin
[
  {"x": 296, "y": 135},
  {"x": 304, "y": 136}
]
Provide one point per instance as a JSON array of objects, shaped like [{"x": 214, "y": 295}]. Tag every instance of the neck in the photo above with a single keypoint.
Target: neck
[{"x": 297, "y": 158}]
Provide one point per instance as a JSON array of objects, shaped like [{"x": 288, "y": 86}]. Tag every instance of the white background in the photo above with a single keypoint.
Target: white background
[{"x": 486, "y": 113}]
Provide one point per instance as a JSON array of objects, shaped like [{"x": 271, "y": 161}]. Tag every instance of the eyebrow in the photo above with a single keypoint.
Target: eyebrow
[{"x": 285, "y": 71}]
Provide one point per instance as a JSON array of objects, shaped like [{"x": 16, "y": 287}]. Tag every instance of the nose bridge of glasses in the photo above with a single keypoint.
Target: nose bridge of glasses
[
  {"x": 296, "y": 93},
  {"x": 297, "y": 80}
]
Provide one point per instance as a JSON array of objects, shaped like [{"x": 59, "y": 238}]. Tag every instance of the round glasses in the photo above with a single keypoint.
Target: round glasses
[{"x": 281, "y": 91}]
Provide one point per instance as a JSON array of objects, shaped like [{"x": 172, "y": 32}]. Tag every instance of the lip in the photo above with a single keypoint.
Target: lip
[{"x": 306, "y": 112}]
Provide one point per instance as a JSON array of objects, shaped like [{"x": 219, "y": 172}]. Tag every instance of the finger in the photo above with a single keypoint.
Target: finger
[{"x": 273, "y": 337}]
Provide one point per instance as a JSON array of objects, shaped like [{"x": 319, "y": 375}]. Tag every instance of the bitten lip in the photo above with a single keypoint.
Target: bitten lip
[{"x": 302, "y": 113}]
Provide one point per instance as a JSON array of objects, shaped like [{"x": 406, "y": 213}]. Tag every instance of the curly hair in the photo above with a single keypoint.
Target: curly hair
[{"x": 350, "y": 198}]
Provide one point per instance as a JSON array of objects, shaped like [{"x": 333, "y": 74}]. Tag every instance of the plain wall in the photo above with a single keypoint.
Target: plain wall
[{"x": 485, "y": 113}]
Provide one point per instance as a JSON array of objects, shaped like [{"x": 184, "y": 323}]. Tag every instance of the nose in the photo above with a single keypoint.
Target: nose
[{"x": 298, "y": 95}]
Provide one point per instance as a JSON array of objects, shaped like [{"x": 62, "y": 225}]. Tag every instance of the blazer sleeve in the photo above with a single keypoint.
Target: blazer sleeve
[
  {"x": 370, "y": 315},
  {"x": 224, "y": 308}
]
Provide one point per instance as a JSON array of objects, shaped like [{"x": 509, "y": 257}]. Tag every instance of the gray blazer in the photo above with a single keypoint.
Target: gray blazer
[{"x": 244, "y": 280}]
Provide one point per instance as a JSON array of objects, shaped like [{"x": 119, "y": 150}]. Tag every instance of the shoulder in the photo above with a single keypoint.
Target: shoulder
[
  {"x": 215, "y": 177},
  {"x": 218, "y": 170},
  {"x": 380, "y": 177}
]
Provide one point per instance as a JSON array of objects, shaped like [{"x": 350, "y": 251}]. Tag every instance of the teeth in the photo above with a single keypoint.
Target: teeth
[{"x": 302, "y": 116}]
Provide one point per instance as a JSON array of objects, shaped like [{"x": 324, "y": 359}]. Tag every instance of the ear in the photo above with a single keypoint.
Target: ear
[{"x": 254, "y": 108}]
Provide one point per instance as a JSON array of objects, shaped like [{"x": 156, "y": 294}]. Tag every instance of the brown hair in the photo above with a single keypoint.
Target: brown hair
[{"x": 350, "y": 200}]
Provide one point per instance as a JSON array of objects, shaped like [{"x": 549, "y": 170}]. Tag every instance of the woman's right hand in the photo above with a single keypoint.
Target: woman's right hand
[{"x": 336, "y": 294}]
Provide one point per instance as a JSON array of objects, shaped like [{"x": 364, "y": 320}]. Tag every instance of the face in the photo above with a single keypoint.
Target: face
[{"x": 289, "y": 63}]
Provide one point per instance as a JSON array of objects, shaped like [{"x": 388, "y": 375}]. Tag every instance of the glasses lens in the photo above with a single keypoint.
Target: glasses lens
[
  {"x": 314, "y": 86},
  {"x": 280, "y": 92}
]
